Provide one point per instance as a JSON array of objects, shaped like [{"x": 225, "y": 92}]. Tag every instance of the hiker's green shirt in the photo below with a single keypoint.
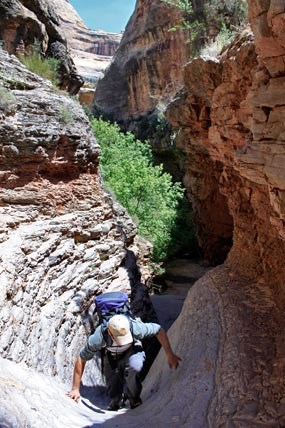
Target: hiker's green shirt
[{"x": 95, "y": 342}]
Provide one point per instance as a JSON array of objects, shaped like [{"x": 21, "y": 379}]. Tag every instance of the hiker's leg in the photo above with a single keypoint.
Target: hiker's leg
[
  {"x": 115, "y": 380},
  {"x": 133, "y": 367}
]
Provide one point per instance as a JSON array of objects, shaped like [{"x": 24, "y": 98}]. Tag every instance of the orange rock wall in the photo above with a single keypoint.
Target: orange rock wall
[
  {"x": 231, "y": 122},
  {"x": 147, "y": 67}
]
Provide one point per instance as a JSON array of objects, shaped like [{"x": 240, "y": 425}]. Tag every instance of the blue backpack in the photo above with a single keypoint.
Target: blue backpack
[{"x": 107, "y": 305}]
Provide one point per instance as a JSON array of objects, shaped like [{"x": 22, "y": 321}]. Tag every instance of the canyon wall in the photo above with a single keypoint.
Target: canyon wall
[
  {"x": 22, "y": 23},
  {"x": 146, "y": 69},
  {"x": 62, "y": 239},
  {"x": 230, "y": 118},
  {"x": 91, "y": 50}
]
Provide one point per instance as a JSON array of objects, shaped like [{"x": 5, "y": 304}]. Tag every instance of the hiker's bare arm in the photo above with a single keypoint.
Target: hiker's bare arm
[
  {"x": 173, "y": 360},
  {"x": 77, "y": 375}
]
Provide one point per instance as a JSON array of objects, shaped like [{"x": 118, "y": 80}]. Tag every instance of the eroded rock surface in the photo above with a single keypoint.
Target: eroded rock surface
[
  {"x": 147, "y": 67},
  {"x": 62, "y": 239},
  {"x": 230, "y": 334},
  {"x": 22, "y": 23},
  {"x": 91, "y": 50}
]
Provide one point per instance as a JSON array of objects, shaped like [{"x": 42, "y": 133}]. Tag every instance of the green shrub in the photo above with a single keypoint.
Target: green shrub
[
  {"x": 190, "y": 22},
  {"x": 146, "y": 191},
  {"x": 183, "y": 240},
  {"x": 212, "y": 22},
  {"x": 66, "y": 116},
  {"x": 7, "y": 100},
  {"x": 44, "y": 67},
  {"x": 230, "y": 14}
]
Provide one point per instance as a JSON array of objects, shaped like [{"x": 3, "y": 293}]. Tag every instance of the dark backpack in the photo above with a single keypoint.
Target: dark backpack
[
  {"x": 107, "y": 305},
  {"x": 111, "y": 303}
]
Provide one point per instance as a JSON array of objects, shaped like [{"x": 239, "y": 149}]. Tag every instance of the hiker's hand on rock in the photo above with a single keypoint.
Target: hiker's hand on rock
[
  {"x": 74, "y": 394},
  {"x": 173, "y": 361}
]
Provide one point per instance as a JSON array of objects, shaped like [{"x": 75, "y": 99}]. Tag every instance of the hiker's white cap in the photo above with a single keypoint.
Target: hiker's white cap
[{"x": 119, "y": 327}]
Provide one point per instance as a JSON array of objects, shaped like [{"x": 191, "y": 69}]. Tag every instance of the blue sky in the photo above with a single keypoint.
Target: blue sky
[{"x": 108, "y": 15}]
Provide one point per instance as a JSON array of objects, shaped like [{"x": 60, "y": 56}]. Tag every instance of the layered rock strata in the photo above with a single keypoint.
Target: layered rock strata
[
  {"x": 233, "y": 126},
  {"x": 230, "y": 334},
  {"x": 91, "y": 50},
  {"x": 146, "y": 69},
  {"x": 62, "y": 239}
]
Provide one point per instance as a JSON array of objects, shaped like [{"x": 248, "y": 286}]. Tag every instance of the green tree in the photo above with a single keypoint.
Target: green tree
[
  {"x": 146, "y": 191},
  {"x": 190, "y": 20}
]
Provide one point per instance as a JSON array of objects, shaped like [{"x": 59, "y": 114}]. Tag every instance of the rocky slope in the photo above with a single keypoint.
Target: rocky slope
[
  {"x": 146, "y": 69},
  {"x": 62, "y": 239}
]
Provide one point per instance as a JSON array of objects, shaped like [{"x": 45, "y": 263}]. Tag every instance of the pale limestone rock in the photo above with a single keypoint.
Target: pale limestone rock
[
  {"x": 63, "y": 240},
  {"x": 91, "y": 50}
]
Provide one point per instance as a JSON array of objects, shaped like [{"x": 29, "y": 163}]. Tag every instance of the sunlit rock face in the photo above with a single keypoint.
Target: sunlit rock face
[
  {"x": 91, "y": 50},
  {"x": 62, "y": 239},
  {"x": 147, "y": 68}
]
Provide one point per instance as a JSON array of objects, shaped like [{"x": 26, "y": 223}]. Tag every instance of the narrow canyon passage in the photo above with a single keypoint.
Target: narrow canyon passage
[
  {"x": 231, "y": 341},
  {"x": 64, "y": 240},
  {"x": 41, "y": 400}
]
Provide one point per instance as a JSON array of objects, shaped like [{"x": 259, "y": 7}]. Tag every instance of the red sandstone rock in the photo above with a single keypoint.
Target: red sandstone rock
[{"x": 147, "y": 68}]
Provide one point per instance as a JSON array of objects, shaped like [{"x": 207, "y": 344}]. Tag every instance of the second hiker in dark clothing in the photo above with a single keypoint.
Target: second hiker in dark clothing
[{"x": 125, "y": 355}]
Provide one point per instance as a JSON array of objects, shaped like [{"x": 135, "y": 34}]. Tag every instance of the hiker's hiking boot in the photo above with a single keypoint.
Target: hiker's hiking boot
[
  {"x": 135, "y": 402},
  {"x": 124, "y": 399},
  {"x": 114, "y": 405}
]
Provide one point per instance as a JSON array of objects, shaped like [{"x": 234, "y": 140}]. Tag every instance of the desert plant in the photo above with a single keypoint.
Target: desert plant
[
  {"x": 190, "y": 22},
  {"x": 65, "y": 115},
  {"x": 214, "y": 47},
  {"x": 211, "y": 21},
  {"x": 230, "y": 14},
  {"x": 7, "y": 99},
  {"x": 46, "y": 67}
]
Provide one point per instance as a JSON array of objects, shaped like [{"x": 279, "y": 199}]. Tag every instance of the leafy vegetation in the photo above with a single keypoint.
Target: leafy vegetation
[
  {"x": 230, "y": 14},
  {"x": 45, "y": 67},
  {"x": 190, "y": 21},
  {"x": 66, "y": 116},
  {"x": 220, "y": 18},
  {"x": 7, "y": 100},
  {"x": 146, "y": 191},
  {"x": 183, "y": 240}
]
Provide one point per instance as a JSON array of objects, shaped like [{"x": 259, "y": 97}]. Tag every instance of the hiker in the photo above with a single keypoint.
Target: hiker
[{"x": 125, "y": 355}]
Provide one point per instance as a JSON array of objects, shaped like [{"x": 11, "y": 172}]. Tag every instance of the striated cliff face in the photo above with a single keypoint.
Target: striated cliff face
[
  {"x": 91, "y": 51},
  {"x": 146, "y": 69},
  {"x": 230, "y": 118},
  {"x": 231, "y": 121},
  {"x": 62, "y": 239}
]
